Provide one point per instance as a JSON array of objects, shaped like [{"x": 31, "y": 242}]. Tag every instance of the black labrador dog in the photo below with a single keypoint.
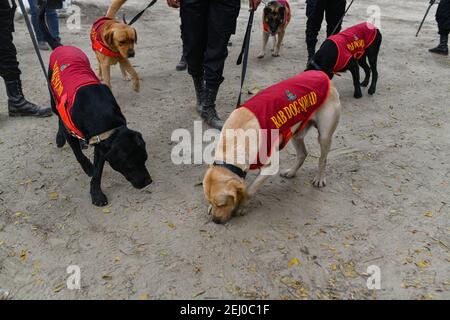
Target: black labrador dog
[
  {"x": 94, "y": 118},
  {"x": 358, "y": 43}
]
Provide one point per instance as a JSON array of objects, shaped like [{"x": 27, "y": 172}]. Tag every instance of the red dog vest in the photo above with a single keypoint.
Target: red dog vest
[
  {"x": 286, "y": 104},
  {"x": 71, "y": 70},
  {"x": 97, "y": 41},
  {"x": 353, "y": 42},
  {"x": 287, "y": 16}
]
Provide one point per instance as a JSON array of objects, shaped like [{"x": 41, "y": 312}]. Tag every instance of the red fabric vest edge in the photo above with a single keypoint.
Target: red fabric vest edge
[
  {"x": 97, "y": 41},
  {"x": 287, "y": 134},
  {"x": 71, "y": 71},
  {"x": 339, "y": 40}
]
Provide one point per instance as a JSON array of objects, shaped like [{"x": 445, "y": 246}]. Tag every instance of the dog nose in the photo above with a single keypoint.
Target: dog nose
[
  {"x": 131, "y": 53},
  {"x": 217, "y": 220}
]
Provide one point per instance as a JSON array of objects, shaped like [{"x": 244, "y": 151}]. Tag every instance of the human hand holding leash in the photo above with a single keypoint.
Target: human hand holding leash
[
  {"x": 174, "y": 3},
  {"x": 253, "y": 4}
]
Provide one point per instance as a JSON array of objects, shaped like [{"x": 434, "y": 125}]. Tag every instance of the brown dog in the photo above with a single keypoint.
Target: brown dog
[
  {"x": 223, "y": 185},
  {"x": 113, "y": 42},
  {"x": 276, "y": 17}
]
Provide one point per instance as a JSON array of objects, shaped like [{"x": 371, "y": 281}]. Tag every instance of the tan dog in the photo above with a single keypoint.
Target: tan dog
[
  {"x": 276, "y": 17},
  {"x": 113, "y": 42},
  {"x": 224, "y": 185}
]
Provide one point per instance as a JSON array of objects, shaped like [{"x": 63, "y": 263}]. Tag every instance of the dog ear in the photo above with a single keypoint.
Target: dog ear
[
  {"x": 135, "y": 36},
  {"x": 238, "y": 190},
  {"x": 109, "y": 38}
]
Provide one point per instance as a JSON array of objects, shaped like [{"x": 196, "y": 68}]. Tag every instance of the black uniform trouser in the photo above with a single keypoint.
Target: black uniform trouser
[
  {"x": 315, "y": 11},
  {"x": 207, "y": 26},
  {"x": 443, "y": 17},
  {"x": 9, "y": 66}
]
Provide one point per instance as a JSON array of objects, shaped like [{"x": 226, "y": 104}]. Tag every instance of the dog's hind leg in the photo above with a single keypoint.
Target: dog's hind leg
[
  {"x": 85, "y": 163},
  {"x": 354, "y": 69},
  {"x": 373, "y": 60},
  {"x": 279, "y": 42},
  {"x": 363, "y": 63},
  {"x": 98, "y": 198},
  {"x": 302, "y": 153},
  {"x": 264, "y": 45}
]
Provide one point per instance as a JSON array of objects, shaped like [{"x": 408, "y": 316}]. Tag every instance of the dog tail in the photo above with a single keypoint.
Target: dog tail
[
  {"x": 114, "y": 8},
  {"x": 52, "y": 42}
]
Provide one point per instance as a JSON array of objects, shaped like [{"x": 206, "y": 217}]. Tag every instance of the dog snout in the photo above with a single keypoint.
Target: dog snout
[
  {"x": 131, "y": 53},
  {"x": 217, "y": 220}
]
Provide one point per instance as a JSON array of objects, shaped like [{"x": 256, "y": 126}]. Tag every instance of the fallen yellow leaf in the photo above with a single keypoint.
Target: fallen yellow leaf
[
  {"x": 428, "y": 214},
  {"x": 423, "y": 264},
  {"x": 106, "y": 210},
  {"x": 54, "y": 196},
  {"x": 144, "y": 296},
  {"x": 293, "y": 262},
  {"x": 334, "y": 267}
]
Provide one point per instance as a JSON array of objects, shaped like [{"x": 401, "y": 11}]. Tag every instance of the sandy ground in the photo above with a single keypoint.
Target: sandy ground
[{"x": 386, "y": 204}]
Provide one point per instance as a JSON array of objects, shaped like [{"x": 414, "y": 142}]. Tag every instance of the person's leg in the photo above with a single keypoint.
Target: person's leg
[
  {"x": 53, "y": 23},
  {"x": 34, "y": 11},
  {"x": 315, "y": 11},
  {"x": 182, "y": 65},
  {"x": 443, "y": 20},
  {"x": 194, "y": 34},
  {"x": 334, "y": 12},
  {"x": 222, "y": 17},
  {"x": 9, "y": 68}
]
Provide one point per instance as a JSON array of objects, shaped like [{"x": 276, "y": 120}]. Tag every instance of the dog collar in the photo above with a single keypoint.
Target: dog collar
[
  {"x": 101, "y": 137},
  {"x": 236, "y": 170}
]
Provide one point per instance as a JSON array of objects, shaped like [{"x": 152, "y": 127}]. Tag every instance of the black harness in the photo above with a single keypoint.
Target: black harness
[{"x": 236, "y": 170}]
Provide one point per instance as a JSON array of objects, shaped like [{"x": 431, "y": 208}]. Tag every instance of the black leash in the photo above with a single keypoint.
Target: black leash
[
  {"x": 243, "y": 56},
  {"x": 33, "y": 39},
  {"x": 342, "y": 18},
  {"x": 136, "y": 17}
]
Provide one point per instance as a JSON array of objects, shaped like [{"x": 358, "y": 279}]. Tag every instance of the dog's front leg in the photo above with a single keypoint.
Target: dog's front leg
[
  {"x": 61, "y": 135},
  {"x": 264, "y": 45},
  {"x": 251, "y": 191},
  {"x": 124, "y": 72},
  {"x": 99, "y": 71},
  {"x": 106, "y": 72},
  {"x": 99, "y": 199},
  {"x": 373, "y": 60},
  {"x": 302, "y": 153},
  {"x": 85, "y": 163},
  {"x": 354, "y": 69},
  {"x": 325, "y": 138},
  {"x": 280, "y": 37},
  {"x": 134, "y": 75}
]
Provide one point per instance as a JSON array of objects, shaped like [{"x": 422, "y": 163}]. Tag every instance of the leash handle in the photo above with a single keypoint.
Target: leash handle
[
  {"x": 136, "y": 17},
  {"x": 243, "y": 56}
]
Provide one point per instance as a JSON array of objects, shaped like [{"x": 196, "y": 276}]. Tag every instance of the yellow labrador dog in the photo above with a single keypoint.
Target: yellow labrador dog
[{"x": 290, "y": 107}]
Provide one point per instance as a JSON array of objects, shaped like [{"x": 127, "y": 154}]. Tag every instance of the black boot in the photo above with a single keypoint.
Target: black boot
[
  {"x": 182, "y": 65},
  {"x": 442, "y": 48},
  {"x": 209, "y": 113},
  {"x": 199, "y": 85},
  {"x": 18, "y": 106},
  {"x": 311, "y": 50}
]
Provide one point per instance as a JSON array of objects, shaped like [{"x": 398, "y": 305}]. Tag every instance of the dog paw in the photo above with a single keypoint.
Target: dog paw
[
  {"x": 319, "y": 182},
  {"x": 261, "y": 55},
  {"x": 60, "y": 140},
  {"x": 126, "y": 78},
  {"x": 99, "y": 199},
  {"x": 358, "y": 95},
  {"x": 372, "y": 90},
  {"x": 288, "y": 174},
  {"x": 242, "y": 210},
  {"x": 136, "y": 86},
  {"x": 275, "y": 54}
]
